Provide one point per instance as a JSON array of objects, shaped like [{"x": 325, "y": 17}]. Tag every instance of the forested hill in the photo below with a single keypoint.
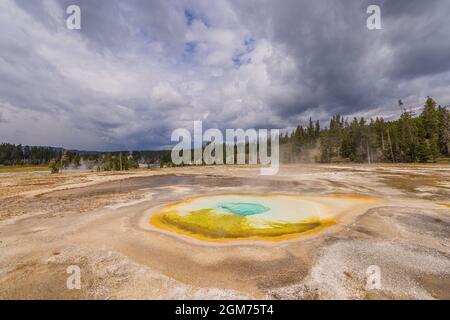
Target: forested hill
[{"x": 422, "y": 138}]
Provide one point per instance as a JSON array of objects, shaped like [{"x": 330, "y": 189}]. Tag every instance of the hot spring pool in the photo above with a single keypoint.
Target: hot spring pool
[{"x": 257, "y": 217}]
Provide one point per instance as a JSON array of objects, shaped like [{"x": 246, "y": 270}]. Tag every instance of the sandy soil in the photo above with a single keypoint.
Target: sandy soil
[{"x": 99, "y": 222}]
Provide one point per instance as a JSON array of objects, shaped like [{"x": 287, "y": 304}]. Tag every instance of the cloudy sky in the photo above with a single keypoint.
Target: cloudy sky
[{"x": 137, "y": 69}]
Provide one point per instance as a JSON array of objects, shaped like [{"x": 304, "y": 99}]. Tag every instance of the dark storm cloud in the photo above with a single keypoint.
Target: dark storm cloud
[
  {"x": 138, "y": 69},
  {"x": 419, "y": 38},
  {"x": 347, "y": 68}
]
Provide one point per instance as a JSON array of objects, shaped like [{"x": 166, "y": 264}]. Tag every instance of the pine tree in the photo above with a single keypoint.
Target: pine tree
[
  {"x": 430, "y": 122},
  {"x": 444, "y": 131}
]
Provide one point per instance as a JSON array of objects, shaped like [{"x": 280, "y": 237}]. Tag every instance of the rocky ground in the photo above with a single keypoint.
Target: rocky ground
[{"x": 98, "y": 222}]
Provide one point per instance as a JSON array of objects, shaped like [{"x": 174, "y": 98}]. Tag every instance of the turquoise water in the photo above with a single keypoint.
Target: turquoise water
[{"x": 243, "y": 208}]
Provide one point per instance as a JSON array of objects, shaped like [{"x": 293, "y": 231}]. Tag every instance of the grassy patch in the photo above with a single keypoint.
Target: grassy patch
[{"x": 12, "y": 169}]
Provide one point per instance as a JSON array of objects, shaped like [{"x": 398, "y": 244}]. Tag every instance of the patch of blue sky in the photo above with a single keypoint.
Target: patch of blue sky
[
  {"x": 239, "y": 60},
  {"x": 249, "y": 43},
  {"x": 189, "y": 51},
  {"x": 190, "y": 17},
  {"x": 240, "y": 56}
]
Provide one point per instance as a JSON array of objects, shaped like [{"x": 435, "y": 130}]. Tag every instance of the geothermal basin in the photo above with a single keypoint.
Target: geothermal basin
[
  {"x": 218, "y": 232},
  {"x": 270, "y": 217}
]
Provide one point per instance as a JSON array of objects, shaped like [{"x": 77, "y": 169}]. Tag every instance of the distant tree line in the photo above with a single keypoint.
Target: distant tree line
[
  {"x": 59, "y": 159},
  {"x": 11, "y": 154},
  {"x": 111, "y": 161}
]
